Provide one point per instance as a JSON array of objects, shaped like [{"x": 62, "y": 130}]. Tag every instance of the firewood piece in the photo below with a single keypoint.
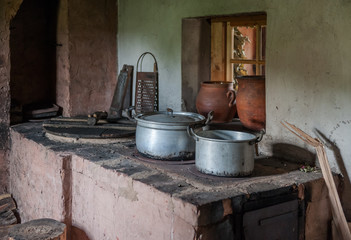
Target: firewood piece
[
  {"x": 7, "y": 208},
  {"x": 6, "y": 203},
  {"x": 4, "y": 230},
  {"x": 7, "y": 218},
  {"x": 5, "y": 195},
  {"x": 39, "y": 229},
  {"x": 337, "y": 211}
]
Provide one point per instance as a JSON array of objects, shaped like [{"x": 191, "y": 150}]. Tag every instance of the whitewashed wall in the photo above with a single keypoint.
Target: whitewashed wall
[{"x": 308, "y": 73}]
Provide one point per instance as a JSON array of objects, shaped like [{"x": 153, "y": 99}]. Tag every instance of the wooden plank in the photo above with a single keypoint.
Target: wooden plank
[
  {"x": 258, "y": 46},
  {"x": 339, "y": 219},
  {"x": 218, "y": 51},
  {"x": 54, "y": 108},
  {"x": 103, "y": 126},
  {"x": 247, "y": 61},
  {"x": 94, "y": 133},
  {"x": 129, "y": 89},
  {"x": 7, "y": 218},
  {"x": 242, "y": 20},
  {"x": 116, "y": 107},
  {"x": 229, "y": 52},
  {"x": 5, "y": 195},
  {"x": 7, "y": 203}
]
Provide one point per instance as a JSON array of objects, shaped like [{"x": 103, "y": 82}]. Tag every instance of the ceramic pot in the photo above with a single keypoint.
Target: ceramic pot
[
  {"x": 218, "y": 97},
  {"x": 251, "y": 101}
]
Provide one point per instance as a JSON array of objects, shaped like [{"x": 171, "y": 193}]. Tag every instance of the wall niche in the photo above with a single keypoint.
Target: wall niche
[{"x": 33, "y": 57}]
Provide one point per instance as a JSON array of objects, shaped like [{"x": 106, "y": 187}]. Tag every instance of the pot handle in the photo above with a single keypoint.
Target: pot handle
[
  {"x": 231, "y": 96},
  {"x": 209, "y": 117},
  {"x": 190, "y": 128},
  {"x": 170, "y": 112},
  {"x": 259, "y": 138},
  {"x": 191, "y": 133},
  {"x": 128, "y": 113}
]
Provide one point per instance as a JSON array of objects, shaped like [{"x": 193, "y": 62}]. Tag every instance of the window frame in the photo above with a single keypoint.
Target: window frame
[{"x": 227, "y": 42}]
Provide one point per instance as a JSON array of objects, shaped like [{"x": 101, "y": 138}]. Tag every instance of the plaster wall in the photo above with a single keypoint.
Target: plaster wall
[
  {"x": 92, "y": 30},
  {"x": 62, "y": 56},
  {"x": 36, "y": 180},
  {"x": 94, "y": 202},
  {"x": 196, "y": 59},
  {"x": 7, "y": 10},
  {"x": 86, "y": 63},
  {"x": 307, "y": 73},
  {"x": 86, "y": 56},
  {"x": 110, "y": 203}
]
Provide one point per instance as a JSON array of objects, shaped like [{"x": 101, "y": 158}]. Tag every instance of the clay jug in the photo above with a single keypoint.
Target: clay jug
[
  {"x": 251, "y": 101},
  {"x": 218, "y": 97}
]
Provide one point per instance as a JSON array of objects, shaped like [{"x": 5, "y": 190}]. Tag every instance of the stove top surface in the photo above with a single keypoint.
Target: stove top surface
[{"x": 178, "y": 178}]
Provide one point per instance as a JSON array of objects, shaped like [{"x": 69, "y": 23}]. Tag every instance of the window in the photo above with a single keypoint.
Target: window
[{"x": 237, "y": 46}]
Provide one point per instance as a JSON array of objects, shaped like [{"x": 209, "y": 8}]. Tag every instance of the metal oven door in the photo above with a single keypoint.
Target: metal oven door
[{"x": 275, "y": 222}]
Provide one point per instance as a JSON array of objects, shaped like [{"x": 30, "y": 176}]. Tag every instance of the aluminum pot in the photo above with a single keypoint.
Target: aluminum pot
[
  {"x": 224, "y": 152},
  {"x": 163, "y": 135}
]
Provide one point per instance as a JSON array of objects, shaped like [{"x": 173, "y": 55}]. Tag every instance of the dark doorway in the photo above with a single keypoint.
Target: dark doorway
[{"x": 33, "y": 57}]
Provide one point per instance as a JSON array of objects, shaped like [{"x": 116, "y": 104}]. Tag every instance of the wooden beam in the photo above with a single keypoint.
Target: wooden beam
[
  {"x": 258, "y": 46},
  {"x": 247, "y": 61},
  {"x": 218, "y": 51},
  {"x": 229, "y": 52},
  {"x": 242, "y": 20}
]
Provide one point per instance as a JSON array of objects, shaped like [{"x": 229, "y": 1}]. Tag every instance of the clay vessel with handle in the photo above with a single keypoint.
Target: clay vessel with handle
[{"x": 218, "y": 97}]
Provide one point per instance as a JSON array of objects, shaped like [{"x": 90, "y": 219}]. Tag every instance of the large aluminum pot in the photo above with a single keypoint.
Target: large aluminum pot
[
  {"x": 225, "y": 152},
  {"x": 163, "y": 135}
]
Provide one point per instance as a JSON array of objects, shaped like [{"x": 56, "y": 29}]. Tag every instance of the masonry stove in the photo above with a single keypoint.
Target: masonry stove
[
  {"x": 105, "y": 181},
  {"x": 277, "y": 214}
]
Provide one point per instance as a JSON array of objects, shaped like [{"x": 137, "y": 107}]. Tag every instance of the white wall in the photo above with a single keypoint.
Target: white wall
[{"x": 308, "y": 77}]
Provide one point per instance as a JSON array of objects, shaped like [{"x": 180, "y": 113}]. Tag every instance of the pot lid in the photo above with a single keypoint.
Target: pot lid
[
  {"x": 227, "y": 136},
  {"x": 170, "y": 117}
]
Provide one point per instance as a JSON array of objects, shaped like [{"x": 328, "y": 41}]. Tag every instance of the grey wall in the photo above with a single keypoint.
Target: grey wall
[
  {"x": 308, "y": 78},
  {"x": 196, "y": 59}
]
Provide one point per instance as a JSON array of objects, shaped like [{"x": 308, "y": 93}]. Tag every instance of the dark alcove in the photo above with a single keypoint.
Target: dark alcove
[{"x": 33, "y": 57}]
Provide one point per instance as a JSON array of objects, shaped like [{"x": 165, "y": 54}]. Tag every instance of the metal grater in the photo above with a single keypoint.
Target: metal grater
[{"x": 146, "y": 88}]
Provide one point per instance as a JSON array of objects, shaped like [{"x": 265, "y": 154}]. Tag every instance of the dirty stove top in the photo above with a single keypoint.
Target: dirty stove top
[{"x": 179, "y": 178}]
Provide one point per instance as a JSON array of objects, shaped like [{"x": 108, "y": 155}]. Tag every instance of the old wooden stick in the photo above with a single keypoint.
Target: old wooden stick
[{"x": 337, "y": 211}]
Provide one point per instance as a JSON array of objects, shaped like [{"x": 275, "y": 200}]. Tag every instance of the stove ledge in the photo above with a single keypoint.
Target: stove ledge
[{"x": 107, "y": 193}]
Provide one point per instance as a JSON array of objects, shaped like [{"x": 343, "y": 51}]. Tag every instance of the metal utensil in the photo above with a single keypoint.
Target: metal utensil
[
  {"x": 163, "y": 135},
  {"x": 224, "y": 152},
  {"x": 146, "y": 87}
]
